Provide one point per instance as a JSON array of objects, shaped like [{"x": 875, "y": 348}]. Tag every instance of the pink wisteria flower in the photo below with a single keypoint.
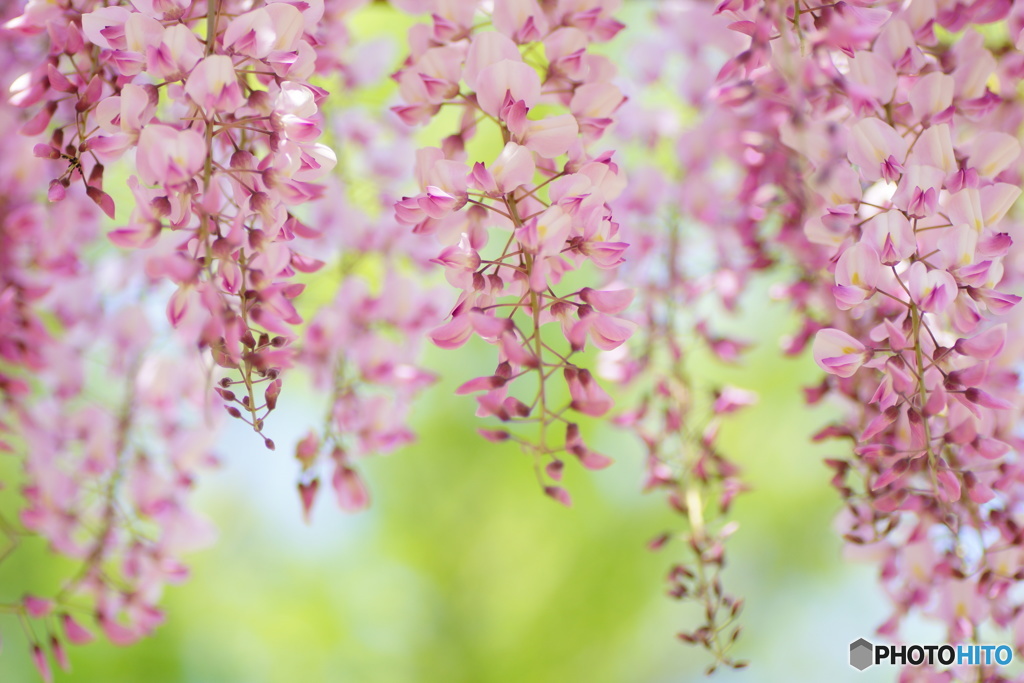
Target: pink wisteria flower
[{"x": 838, "y": 353}]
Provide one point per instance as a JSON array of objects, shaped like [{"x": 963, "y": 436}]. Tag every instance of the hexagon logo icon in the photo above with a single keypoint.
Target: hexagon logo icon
[{"x": 861, "y": 652}]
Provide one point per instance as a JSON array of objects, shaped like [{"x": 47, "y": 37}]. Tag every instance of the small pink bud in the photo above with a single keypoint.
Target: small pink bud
[
  {"x": 489, "y": 326},
  {"x": 75, "y": 632},
  {"x": 891, "y": 474},
  {"x": 57, "y": 191},
  {"x": 271, "y": 394},
  {"x": 949, "y": 485},
  {"x": 554, "y": 469},
  {"x": 37, "y": 608},
  {"x": 307, "y": 492},
  {"x": 658, "y": 542},
  {"x": 117, "y": 633},
  {"x": 986, "y": 400},
  {"x": 481, "y": 384},
  {"x": 351, "y": 493},
  {"x": 45, "y": 151},
  {"x": 102, "y": 199},
  {"x": 610, "y": 302},
  {"x": 559, "y": 494},
  {"x": 59, "y": 653},
  {"x": 513, "y": 406},
  {"x": 593, "y": 460},
  {"x": 91, "y": 94},
  {"x": 984, "y": 346},
  {"x": 307, "y": 450},
  {"x": 58, "y": 81},
  {"x": 978, "y": 491},
  {"x": 42, "y": 664},
  {"x": 38, "y": 123},
  {"x": 494, "y": 435}
]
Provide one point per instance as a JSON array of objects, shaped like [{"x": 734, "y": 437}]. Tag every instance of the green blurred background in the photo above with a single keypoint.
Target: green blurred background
[{"x": 463, "y": 572}]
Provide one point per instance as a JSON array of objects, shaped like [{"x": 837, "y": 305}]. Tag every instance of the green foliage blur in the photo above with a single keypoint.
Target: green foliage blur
[{"x": 463, "y": 571}]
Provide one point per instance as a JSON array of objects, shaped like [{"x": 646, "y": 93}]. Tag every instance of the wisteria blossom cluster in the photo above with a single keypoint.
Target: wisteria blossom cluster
[
  {"x": 213, "y": 106},
  {"x": 519, "y": 201},
  {"x": 113, "y": 453},
  {"x": 214, "y": 101},
  {"x": 904, "y": 142}
]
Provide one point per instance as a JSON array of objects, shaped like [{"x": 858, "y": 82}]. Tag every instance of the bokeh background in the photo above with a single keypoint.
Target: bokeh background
[{"x": 463, "y": 572}]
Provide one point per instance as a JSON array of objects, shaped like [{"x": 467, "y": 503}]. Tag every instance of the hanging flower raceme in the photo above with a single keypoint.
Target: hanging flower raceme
[
  {"x": 98, "y": 492},
  {"x": 214, "y": 100},
  {"x": 213, "y": 105},
  {"x": 680, "y": 266},
  {"x": 96, "y": 486},
  {"x": 363, "y": 347},
  {"x": 514, "y": 222},
  {"x": 907, "y": 144}
]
